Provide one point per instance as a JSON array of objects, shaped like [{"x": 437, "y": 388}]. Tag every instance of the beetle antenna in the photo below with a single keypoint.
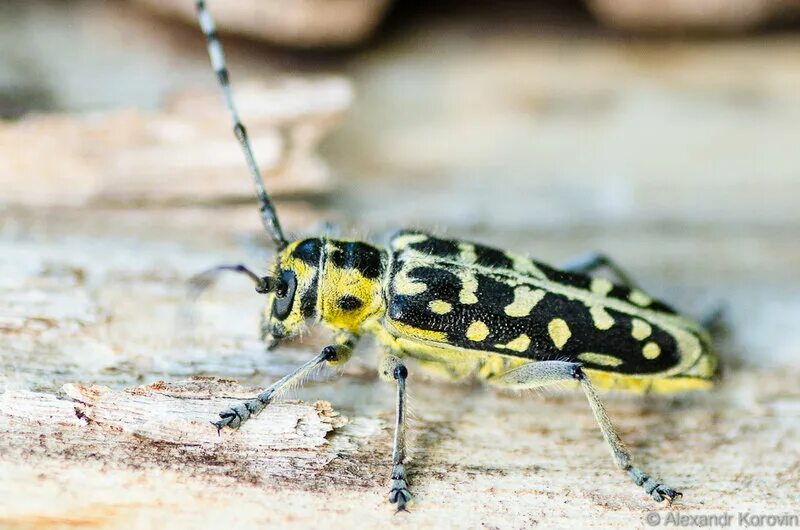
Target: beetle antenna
[
  {"x": 203, "y": 281},
  {"x": 269, "y": 218}
]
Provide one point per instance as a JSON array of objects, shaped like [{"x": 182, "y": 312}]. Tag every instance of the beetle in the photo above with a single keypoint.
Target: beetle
[{"x": 463, "y": 309}]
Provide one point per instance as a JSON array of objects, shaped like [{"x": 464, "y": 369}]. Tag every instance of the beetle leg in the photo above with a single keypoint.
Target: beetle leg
[
  {"x": 392, "y": 367},
  {"x": 542, "y": 373},
  {"x": 236, "y": 415},
  {"x": 588, "y": 263}
]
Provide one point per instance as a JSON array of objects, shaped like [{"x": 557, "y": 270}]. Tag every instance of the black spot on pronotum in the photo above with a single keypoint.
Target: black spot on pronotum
[
  {"x": 308, "y": 251},
  {"x": 349, "y": 302},
  {"x": 308, "y": 300},
  {"x": 362, "y": 257}
]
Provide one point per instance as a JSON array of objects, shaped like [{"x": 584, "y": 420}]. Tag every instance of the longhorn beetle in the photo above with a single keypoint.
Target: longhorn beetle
[{"x": 464, "y": 309}]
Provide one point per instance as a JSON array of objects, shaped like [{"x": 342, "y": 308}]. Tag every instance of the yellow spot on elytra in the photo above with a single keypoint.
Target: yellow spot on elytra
[
  {"x": 477, "y": 331},
  {"x": 525, "y": 300},
  {"x": 602, "y": 320},
  {"x": 424, "y": 334},
  {"x": 639, "y": 298},
  {"x": 559, "y": 332},
  {"x": 467, "y": 254},
  {"x": 440, "y": 307},
  {"x": 601, "y": 286},
  {"x": 408, "y": 287},
  {"x": 600, "y": 358},
  {"x": 640, "y": 329},
  {"x": 706, "y": 366},
  {"x": 401, "y": 242},
  {"x": 469, "y": 287},
  {"x": 524, "y": 266},
  {"x": 651, "y": 350},
  {"x": 520, "y": 344}
]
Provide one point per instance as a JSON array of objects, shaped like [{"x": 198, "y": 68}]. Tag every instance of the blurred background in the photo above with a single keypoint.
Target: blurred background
[{"x": 664, "y": 134}]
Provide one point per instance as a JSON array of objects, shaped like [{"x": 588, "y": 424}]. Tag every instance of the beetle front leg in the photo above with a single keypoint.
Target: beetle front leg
[
  {"x": 236, "y": 415},
  {"x": 392, "y": 368}
]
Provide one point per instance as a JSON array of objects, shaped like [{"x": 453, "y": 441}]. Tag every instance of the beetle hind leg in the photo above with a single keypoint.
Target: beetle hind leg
[
  {"x": 589, "y": 263},
  {"x": 543, "y": 373},
  {"x": 655, "y": 489}
]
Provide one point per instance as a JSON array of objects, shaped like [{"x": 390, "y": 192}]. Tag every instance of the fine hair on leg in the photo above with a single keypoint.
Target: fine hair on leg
[
  {"x": 398, "y": 493},
  {"x": 542, "y": 373},
  {"x": 238, "y": 414}
]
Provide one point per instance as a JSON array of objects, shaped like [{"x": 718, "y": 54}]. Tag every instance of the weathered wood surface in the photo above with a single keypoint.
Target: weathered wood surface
[
  {"x": 162, "y": 425},
  {"x": 99, "y": 297},
  {"x": 680, "y": 161},
  {"x": 182, "y": 153}
]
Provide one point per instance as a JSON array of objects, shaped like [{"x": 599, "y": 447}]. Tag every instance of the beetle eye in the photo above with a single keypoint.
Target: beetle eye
[{"x": 284, "y": 295}]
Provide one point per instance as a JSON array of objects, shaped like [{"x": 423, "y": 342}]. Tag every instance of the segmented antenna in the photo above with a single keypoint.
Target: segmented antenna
[
  {"x": 203, "y": 281},
  {"x": 269, "y": 218}
]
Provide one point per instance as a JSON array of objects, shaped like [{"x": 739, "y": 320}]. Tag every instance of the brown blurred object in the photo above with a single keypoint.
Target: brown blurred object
[
  {"x": 294, "y": 23},
  {"x": 184, "y": 153},
  {"x": 702, "y": 15}
]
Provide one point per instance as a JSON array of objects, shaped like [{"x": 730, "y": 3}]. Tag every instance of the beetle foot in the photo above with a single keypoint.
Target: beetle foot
[
  {"x": 660, "y": 492},
  {"x": 236, "y": 415},
  {"x": 399, "y": 493}
]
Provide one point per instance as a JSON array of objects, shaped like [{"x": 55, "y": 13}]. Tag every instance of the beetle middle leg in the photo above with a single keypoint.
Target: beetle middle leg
[
  {"x": 543, "y": 373},
  {"x": 588, "y": 263},
  {"x": 392, "y": 368}
]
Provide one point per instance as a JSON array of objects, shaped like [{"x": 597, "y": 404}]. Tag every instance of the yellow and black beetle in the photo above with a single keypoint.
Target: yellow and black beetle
[{"x": 464, "y": 309}]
